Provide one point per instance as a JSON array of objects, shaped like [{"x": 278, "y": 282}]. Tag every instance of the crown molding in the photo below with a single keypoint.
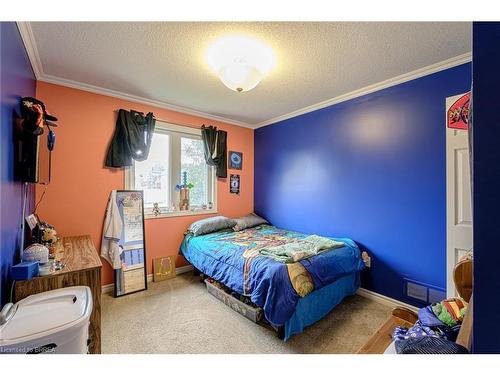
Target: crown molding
[
  {"x": 30, "y": 45},
  {"x": 34, "y": 57},
  {"x": 430, "y": 69},
  {"x": 138, "y": 99}
]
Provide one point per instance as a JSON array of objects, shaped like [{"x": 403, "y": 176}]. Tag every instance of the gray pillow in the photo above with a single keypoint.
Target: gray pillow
[
  {"x": 248, "y": 221},
  {"x": 211, "y": 224}
]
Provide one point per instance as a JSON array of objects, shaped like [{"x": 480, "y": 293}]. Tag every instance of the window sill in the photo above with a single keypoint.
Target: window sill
[{"x": 180, "y": 213}]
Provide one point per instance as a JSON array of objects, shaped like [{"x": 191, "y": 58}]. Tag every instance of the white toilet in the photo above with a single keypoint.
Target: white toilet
[{"x": 51, "y": 322}]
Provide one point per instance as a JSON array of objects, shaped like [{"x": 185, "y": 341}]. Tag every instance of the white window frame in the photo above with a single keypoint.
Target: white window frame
[{"x": 175, "y": 132}]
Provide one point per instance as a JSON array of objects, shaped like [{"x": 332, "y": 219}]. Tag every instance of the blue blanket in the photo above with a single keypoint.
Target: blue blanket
[{"x": 233, "y": 259}]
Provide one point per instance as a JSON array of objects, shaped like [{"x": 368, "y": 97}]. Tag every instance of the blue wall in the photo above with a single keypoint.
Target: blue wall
[
  {"x": 16, "y": 80},
  {"x": 486, "y": 161},
  {"x": 371, "y": 168}
]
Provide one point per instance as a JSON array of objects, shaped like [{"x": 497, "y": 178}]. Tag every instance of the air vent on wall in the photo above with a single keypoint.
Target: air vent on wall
[
  {"x": 416, "y": 291},
  {"x": 422, "y": 292}
]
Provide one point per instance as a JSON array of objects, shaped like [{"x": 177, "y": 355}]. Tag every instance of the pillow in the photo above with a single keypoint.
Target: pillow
[
  {"x": 211, "y": 224},
  {"x": 248, "y": 221}
]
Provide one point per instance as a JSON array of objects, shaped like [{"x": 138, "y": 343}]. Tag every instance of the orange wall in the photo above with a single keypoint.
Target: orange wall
[{"x": 75, "y": 200}]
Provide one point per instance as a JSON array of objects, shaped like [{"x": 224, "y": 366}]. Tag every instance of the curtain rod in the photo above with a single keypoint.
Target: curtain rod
[{"x": 167, "y": 121}]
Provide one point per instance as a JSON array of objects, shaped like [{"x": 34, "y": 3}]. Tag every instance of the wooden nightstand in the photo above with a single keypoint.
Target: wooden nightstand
[{"x": 82, "y": 267}]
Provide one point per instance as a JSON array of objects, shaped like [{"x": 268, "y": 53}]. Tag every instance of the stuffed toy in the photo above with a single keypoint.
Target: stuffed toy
[{"x": 49, "y": 235}]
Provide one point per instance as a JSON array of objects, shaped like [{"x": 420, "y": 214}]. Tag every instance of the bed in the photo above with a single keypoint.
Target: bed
[{"x": 292, "y": 295}]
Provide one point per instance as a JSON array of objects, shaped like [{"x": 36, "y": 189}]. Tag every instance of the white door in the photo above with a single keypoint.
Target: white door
[{"x": 458, "y": 198}]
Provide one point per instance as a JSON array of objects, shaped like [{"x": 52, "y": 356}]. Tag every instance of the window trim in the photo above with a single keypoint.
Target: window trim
[{"x": 174, "y": 131}]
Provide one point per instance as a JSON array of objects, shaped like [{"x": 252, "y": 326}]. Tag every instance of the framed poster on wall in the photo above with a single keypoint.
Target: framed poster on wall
[
  {"x": 234, "y": 184},
  {"x": 235, "y": 160},
  {"x": 131, "y": 277}
]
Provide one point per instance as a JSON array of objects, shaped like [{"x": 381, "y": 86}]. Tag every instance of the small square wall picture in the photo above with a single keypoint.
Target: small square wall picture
[{"x": 235, "y": 160}]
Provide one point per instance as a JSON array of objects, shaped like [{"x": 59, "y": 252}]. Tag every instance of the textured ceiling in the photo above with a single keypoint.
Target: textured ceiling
[{"x": 316, "y": 61}]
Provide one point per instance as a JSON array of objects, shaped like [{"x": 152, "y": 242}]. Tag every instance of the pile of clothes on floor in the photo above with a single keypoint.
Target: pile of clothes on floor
[{"x": 435, "y": 331}]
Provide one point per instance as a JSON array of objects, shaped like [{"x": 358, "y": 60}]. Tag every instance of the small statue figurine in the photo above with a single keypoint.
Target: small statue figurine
[
  {"x": 184, "y": 192},
  {"x": 156, "y": 209},
  {"x": 47, "y": 235}
]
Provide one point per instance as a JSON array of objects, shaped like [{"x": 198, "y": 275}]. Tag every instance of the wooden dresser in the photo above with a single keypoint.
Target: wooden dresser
[{"x": 82, "y": 267}]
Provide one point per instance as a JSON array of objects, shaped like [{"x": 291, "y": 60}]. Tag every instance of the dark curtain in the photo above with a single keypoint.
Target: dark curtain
[
  {"x": 215, "y": 149},
  {"x": 131, "y": 140}
]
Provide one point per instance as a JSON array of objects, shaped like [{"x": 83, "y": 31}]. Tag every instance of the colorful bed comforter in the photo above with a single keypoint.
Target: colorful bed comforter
[{"x": 234, "y": 259}]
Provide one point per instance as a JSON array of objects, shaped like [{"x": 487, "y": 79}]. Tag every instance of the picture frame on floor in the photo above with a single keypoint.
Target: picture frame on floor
[{"x": 163, "y": 268}]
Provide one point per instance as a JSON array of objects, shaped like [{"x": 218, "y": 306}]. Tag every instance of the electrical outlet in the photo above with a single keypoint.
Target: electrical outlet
[{"x": 366, "y": 259}]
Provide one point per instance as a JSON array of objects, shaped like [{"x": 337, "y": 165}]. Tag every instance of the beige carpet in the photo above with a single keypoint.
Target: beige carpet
[{"x": 179, "y": 316}]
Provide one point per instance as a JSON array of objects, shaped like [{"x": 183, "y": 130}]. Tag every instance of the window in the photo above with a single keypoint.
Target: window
[{"x": 175, "y": 150}]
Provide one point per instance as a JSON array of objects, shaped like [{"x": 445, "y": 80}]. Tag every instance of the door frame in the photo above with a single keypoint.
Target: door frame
[{"x": 451, "y": 202}]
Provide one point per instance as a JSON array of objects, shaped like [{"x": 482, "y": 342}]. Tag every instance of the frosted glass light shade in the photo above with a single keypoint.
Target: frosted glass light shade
[
  {"x": 240, "y": 77},
  {"x": 240, "y": 62}
]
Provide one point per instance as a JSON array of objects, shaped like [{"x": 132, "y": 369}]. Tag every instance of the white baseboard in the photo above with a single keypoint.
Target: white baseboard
[
  {"x": 109, "y": 288},
  {"x": 384, "y": 299},
  {"x": 387, "y": 301}
]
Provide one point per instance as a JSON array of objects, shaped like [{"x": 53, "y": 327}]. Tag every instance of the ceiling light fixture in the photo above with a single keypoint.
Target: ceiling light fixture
[{"x": 240, "y": 62}]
